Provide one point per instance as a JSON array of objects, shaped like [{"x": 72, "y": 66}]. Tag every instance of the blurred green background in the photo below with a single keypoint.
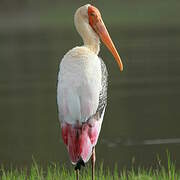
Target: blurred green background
[{"x": 142, "y": 117}]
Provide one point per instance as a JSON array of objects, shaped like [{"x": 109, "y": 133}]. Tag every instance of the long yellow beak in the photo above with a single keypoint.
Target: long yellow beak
[{"x": 97, "y": 24}]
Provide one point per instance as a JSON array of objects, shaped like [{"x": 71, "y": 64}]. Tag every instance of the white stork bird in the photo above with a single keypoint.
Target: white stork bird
[{"x": 82, "y": 87}]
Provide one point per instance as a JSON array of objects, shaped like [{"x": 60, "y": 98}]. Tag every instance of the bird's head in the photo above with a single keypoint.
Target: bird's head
[{"x": 91, "y": 19}]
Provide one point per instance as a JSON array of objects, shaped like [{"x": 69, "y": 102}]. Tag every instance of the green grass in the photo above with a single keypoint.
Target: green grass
[{"x": 55, "y": 172}]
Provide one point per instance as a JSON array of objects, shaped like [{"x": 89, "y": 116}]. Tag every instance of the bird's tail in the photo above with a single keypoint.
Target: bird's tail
[
  {"x": 80, "y": 140},
  {"x": 77, "y": 142}
]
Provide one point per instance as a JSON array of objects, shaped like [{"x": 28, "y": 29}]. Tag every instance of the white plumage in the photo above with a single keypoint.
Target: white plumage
[{"x": 79, "y": 85}]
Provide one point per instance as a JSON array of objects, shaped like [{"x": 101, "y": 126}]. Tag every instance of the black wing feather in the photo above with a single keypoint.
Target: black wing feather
[{"x": 103, "y": 93}]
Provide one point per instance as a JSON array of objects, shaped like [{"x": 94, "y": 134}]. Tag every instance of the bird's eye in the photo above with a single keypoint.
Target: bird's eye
[{"x": 92, "y": 14}]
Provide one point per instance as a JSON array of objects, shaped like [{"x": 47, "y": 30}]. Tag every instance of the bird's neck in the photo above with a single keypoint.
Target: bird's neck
[
  {"x": 90, "y": 38},
  {"x": 92, "y": 43}
]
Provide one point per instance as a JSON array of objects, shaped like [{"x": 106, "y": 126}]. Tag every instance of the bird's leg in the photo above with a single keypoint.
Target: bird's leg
[
  {"x": 78, "y": 167},
  {"x": 77, "y": 174},
  {"x": 93, "y": 159}
]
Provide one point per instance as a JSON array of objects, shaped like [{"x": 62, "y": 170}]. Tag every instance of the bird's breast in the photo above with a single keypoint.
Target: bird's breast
[{"x": 79, "y": 85}]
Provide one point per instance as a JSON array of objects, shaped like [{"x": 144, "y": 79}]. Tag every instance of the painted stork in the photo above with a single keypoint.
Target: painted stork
[{"x": 82, "y": 88}]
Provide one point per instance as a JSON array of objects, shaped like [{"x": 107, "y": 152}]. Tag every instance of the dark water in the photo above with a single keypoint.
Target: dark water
[{"x": 142, "y": 117}]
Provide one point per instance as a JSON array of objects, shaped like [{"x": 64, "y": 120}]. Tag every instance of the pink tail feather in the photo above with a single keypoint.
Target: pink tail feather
[{"x": 80, "y": 139}]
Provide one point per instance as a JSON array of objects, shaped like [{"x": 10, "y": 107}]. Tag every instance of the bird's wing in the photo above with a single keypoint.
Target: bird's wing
[
  {"x": 87, "y": 100},
  {"x": 103, "y": 92},
  {"x": 79, "y": 88}
]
